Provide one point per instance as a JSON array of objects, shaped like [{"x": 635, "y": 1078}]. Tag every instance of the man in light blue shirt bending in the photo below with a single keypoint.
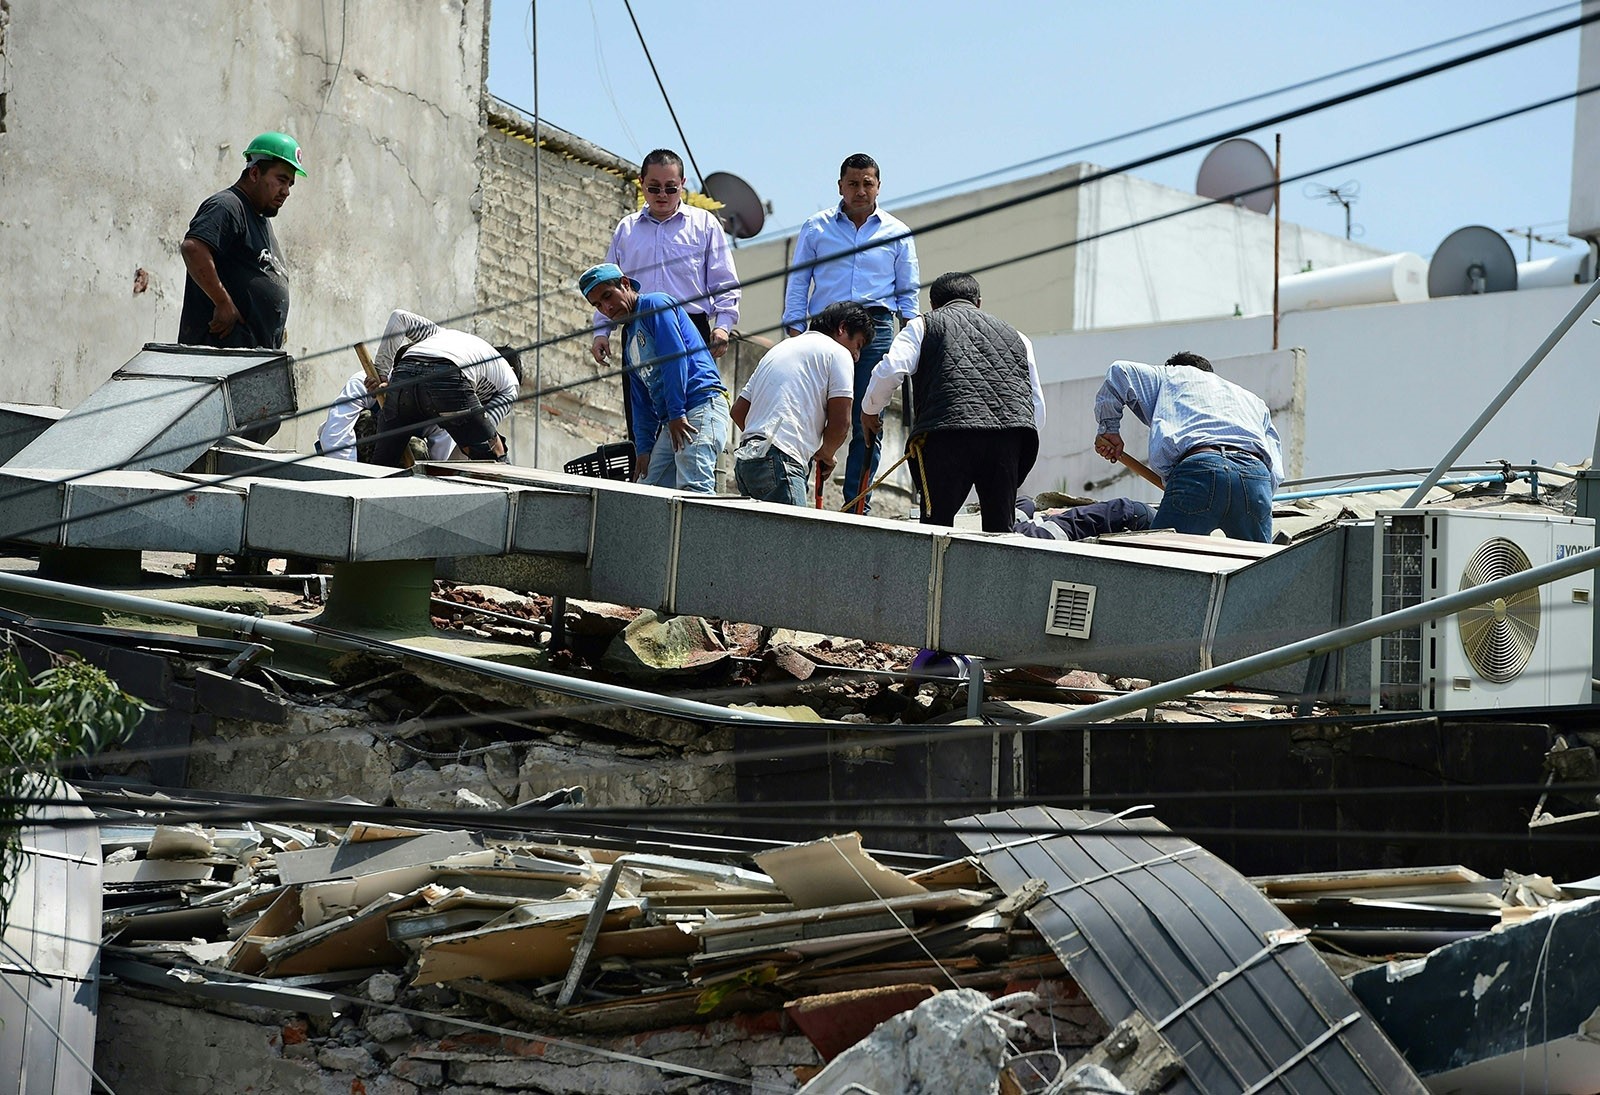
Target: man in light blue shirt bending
[
  {"x": 1211, "y": 441},
  {"x": 854, "y": 252}
]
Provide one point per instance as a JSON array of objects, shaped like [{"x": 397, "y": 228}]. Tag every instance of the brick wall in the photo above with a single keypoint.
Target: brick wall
[{"x": 580, "y": 202}]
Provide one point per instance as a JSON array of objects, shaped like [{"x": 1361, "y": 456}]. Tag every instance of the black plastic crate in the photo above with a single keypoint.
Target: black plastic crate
[{"x": 609, "y": 461}]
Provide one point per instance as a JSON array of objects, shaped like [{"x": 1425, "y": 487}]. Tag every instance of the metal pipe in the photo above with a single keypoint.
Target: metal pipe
[
  {"x": 1506, "y": 393},
  {"x": 1374, "y": 488},
  {"x": 257, "y": 627},
  {"x": 1337, "y": 639},
  {"x": 1498, "y": 465},
  {"x": 1277, "y": 230},
  {"x": 538, "y": 236}
]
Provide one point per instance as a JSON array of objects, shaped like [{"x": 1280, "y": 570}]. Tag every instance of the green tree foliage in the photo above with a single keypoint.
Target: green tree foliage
[{"x": 69, "y": 711}]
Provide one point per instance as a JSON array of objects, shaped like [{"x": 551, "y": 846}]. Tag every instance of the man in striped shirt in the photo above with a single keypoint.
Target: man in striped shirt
[
  {"x": 1211, "y": 441},
  {"x": 434, "y": 374}
]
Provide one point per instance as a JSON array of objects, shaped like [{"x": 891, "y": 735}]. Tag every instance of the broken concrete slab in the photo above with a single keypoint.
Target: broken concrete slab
[
  {"x": 653, "y": 646},
  {"x": 422, "y": 787},
  {"x": 954, "y": 1042}
]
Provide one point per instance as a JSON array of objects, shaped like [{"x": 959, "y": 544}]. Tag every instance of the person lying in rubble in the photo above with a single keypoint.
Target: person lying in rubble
[
  {"x": 1081, "y": 522},
  {"x": 338, "y": 438},
  {"x": 1212, "y": 442},
  {"x": 795, "y": 409},
  {"x": 438, "y": 376},
  {"x": 680, "y": 408}
]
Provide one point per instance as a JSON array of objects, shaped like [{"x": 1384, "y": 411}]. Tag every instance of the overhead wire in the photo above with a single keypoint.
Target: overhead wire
[
  {"x": 1195, "y": 115},
  {"x": 664, "y": 96},
  {"x": 1419, "y": 140},
  {"x": 1023, "y": 257},
  {"x": 1001, "y": 205}
]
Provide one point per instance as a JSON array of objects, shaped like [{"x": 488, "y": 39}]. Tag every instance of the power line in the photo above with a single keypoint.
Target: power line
[
  {"x": 1206, "y": 112},
  {"x": 687, "y": 151}
]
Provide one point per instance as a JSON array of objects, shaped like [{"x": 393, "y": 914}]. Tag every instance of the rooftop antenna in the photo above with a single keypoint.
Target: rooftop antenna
[
  {"x": 1344, "y": 194},
  {"x": 1472, "y": 260},
  {"x": 743, "y": 212},
  {"x": 1238, "y": 170},
  {"x": 1533, "y": 238}
]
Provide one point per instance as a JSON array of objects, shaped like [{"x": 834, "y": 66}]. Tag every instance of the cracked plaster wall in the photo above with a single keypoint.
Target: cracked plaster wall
[{"x": 121, "y": 119}]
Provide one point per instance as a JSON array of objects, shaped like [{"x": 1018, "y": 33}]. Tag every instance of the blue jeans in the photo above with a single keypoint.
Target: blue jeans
[
  {"x": 693, "y": 467},
  {"x": 1231, "y": 491},
  {"x": 856, "y": 458},
  {"x": 775, "y": 477}
]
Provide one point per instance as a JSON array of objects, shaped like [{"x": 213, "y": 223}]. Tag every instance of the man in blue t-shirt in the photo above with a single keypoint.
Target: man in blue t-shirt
[{"x": 680, "y": 408}]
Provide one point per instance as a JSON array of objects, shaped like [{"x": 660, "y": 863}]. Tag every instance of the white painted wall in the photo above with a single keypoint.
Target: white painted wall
[
  {"x": 1393, "y": 385},
  {"x": 120, "y": 119},
  {"x": 1192, "y": 264},
  {"x": 1583, "y": 212},
  {"x": 1067, "y": 460}
]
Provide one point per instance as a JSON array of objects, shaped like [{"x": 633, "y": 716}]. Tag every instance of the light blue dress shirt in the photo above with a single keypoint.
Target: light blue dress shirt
[
  {"x": 882, "y": 275},
  {"x": 1185, "y": 407}
]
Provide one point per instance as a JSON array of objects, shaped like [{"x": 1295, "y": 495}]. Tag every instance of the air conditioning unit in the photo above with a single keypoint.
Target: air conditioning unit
[{"x": 1532, "y": 649}]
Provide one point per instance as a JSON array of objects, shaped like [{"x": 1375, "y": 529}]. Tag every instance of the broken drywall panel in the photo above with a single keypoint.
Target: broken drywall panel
[
  {"x": 142, "y": 871},
  {"x": 350, "y": 942},
  {"x": 370, "y": 857},
  {"x": 833, "y": 871},
  {"x": 532, "y": 949},
  {"x": 179, "y": 842},
  {"x": 278, "y": 919}
]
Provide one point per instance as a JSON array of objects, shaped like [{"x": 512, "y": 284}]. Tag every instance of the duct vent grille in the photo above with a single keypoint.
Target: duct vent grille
[
  {"x": 1401, "y": 586},
  {"x": 1071, "y": 610}
]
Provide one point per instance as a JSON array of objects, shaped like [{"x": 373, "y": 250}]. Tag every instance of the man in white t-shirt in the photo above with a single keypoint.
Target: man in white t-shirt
[{"x": 796, "y": 407}]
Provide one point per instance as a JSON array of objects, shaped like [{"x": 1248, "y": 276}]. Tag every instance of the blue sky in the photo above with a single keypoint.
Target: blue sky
[{"x": 938, "y": 91}]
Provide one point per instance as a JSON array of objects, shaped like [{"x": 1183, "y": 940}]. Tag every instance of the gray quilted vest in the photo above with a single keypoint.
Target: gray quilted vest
[{"x": 973, "y": 373}]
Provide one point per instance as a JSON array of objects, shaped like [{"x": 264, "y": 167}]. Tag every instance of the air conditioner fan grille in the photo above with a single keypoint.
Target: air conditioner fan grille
[{"x": 1498, "y": 636}]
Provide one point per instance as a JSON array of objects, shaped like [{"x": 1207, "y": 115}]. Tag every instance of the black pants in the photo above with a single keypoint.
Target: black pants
[
  {"x": 423, "y": 391},
  {"x": 994, "y": 461}
]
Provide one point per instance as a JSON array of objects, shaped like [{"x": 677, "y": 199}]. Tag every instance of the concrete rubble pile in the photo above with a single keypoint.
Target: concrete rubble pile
[{"x": 431, "y": 959}]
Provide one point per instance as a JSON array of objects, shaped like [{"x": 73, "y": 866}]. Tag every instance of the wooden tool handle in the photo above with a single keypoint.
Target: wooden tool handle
[
  {"x": 1139, "y": 468},
  {"x": 368, "y": 367}
]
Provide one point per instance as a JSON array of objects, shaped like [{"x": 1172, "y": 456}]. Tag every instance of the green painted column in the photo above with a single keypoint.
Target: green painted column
[{"x": 385, "y": 598}]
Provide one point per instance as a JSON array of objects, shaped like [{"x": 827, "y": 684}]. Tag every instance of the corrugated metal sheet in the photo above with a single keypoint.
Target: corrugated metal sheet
[
  {"x": 49, "y": 961},
  {"x": 1149, "y": 922}
]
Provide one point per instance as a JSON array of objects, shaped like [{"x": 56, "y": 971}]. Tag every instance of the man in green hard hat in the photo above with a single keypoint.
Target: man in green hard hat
[{"x": 237, "y": 289}]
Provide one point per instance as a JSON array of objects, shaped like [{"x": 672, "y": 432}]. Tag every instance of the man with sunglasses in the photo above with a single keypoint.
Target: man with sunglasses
[{"x": 676, "y": 249}]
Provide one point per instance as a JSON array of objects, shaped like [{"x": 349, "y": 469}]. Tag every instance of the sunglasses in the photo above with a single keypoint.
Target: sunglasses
[{"x": 669, "y": 188}]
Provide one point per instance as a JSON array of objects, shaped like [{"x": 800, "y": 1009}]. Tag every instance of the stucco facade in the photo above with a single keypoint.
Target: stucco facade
[{"x": 114, "y": 132}]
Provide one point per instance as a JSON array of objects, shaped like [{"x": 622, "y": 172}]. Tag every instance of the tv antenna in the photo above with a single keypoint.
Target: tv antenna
[
  {"x": 1532, "y": 238},
  {"x": 1344, "y": 194}
]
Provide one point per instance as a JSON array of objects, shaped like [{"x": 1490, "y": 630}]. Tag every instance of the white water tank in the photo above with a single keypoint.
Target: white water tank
[
  {"x": 1570, "y": 268},
  {"x": 1398, "y": 277}
]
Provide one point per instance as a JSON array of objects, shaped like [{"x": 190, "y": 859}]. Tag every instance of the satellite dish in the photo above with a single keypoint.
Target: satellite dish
[
  {"x": 1240, "y": 170},
  {"x": 742, "y": 213},
  {"x": 1472, "y": 260}
]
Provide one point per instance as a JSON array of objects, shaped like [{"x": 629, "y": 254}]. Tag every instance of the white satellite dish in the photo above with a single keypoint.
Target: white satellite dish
[
  {"x": 1239, "y": 170},
  {"x": 742, "y": 213},
  {"x": 1472, "y": 260}
]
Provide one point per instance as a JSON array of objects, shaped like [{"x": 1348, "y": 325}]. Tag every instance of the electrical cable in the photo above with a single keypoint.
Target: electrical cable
[
  {"x": 266, "y": 466},
  {"x": 1011, "y": 202},
  {"x": 687, "y": 151},
  {"x": 1036, "y": 161}
]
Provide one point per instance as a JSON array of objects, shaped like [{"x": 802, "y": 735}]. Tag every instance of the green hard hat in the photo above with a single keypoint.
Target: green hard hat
[{"x": 280, "y": 146}]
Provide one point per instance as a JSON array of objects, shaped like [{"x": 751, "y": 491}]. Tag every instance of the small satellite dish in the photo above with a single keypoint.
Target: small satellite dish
[
  {"x": 741, "y": 214},
  {"x": 1472, "y": 260},
  {"x": 1237, "y": 169}
]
